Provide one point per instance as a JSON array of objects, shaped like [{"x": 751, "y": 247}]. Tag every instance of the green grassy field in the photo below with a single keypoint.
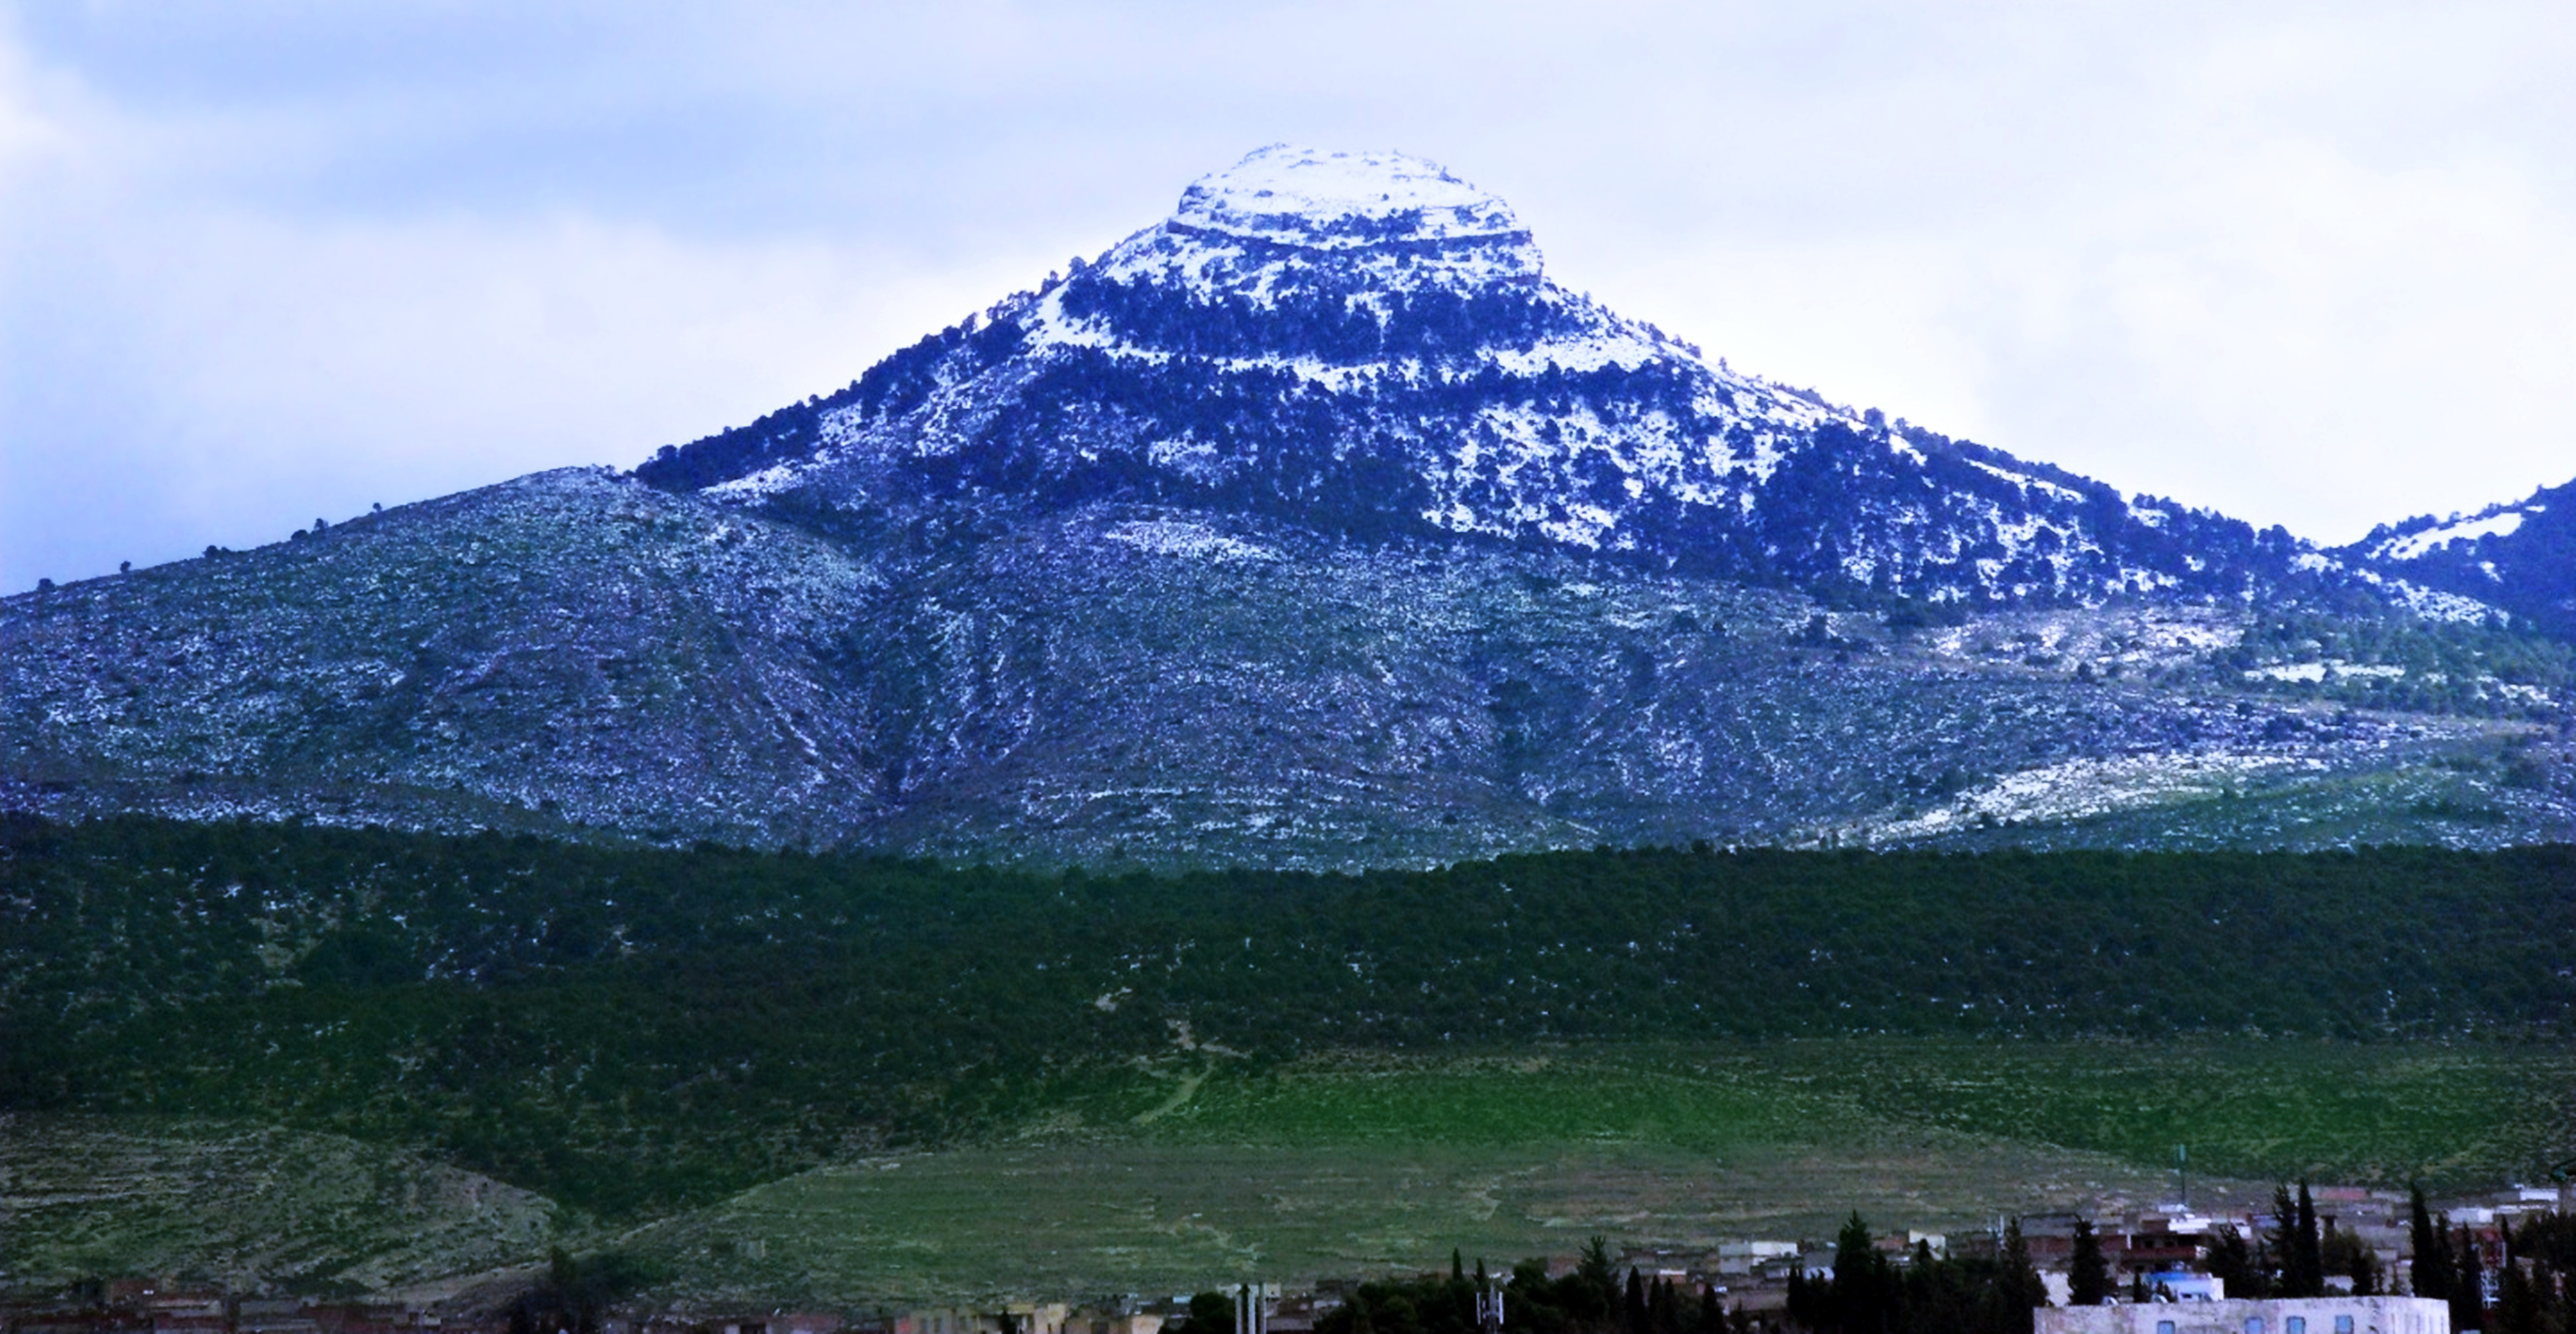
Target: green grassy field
[
  {"x": 1199, "y": 1169},
  {"x": 2451, "y": 1115},
  {"x": 2454, "y": 1116},
  {"x": 1195, "y": 1173},
  {"x": 225, "y": 1202}
]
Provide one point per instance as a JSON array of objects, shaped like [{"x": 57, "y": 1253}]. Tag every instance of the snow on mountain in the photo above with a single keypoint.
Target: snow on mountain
[
  {"x": 2496, "y": 522},
  {"x": 1305, "y": 197},
  {"x": 2433, "y": 604},
  {"x": 2520, "y": 557},
  {"x": 1314, "y": 524},
  {"x": 1364, "y": 343}
]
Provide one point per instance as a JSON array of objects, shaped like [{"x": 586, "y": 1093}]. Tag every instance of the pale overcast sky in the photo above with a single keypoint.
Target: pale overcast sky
[{"x": 260, "y": 263}]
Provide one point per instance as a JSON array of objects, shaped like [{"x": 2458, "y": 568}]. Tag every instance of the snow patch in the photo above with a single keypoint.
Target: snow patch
[
  {"x": 1341, "y": 200},
  {"x": 2313, "y": 672},
  {"x": 768, "y": 481},
  {"x": 2079, "y": 789},
  {"x": 2413, "y": 545},
  {"x": 2435, "y": 605},
  {"x": 1195, "y": 541}
]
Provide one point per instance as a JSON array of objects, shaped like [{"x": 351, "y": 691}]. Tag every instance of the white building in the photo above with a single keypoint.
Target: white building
[{"x": 2306, "y": 1315}]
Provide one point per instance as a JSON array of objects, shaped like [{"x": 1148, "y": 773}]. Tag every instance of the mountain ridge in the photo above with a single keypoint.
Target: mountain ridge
[
  {"x": 1460, "y": 392},
  {"x": 1313, "y": 524},
  {"x": 2519, "y": 555}
]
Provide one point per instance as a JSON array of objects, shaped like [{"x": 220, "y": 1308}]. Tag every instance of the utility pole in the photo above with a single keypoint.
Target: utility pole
[{"x": 1489, "y": 1304}]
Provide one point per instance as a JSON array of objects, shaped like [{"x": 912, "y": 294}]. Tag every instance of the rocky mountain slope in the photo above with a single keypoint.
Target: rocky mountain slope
[
  {"x": 2520, "y": 557},
  {"x": 1313, "y": 525}
]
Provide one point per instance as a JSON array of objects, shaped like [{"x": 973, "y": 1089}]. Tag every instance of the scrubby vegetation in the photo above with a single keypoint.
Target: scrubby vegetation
[
  {"x": 633, "y": 1027},
  {"x": 2392, "y": 662}
]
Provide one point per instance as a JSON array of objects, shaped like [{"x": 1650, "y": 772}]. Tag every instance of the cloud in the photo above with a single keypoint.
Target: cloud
[
  {"x": 264, "y": 374},
  {"x": 2306, "y": 338},
  {"x": 2304, "y": 270}
]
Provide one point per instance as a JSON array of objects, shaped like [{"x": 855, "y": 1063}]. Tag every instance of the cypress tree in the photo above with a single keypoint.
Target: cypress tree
[
  {"x": 2346, "y": 1253},
  {"x": 2088, "y": 1273},
  {"x": 1601, "y": 1281},
  {"x": 2281, "y": 1245},
  {"x": 1664, "y": 1309},
  {"x": 2432, "y": 1259},
  {"x": 2517, "y": 1305},
  {"x": 1863, "y": 1296},
  {"x": 2018, "y": 1290},
  {"x": 1915, "y": 1294},
  {"x": 2308, "y": 1249},
  {"x": 2234, "y": 1263},
  {"x": 2468, "y": 1290}
]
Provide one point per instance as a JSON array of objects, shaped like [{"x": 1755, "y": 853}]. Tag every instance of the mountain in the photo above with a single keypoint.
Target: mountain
[
  {"x": 1365, "y": 345},
  {"x": 2520, "y": 557},
  {"x": 1313, "y": 525}
]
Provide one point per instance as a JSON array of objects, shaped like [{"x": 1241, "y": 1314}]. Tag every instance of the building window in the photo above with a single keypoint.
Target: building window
[
  {"x": 2164, "y": 1327},
  {"x": 2297, "y": 1324},
  {"x": 2343, "y": 1324},
  {"x": 2253, "y": 1324}
]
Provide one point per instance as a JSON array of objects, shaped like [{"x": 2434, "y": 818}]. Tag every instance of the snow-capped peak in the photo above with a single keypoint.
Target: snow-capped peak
[
  {"x": 1306, "y": 196},
  {"x": 1365, "y": 342},
  {"x": 1318, "y": 239}
]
